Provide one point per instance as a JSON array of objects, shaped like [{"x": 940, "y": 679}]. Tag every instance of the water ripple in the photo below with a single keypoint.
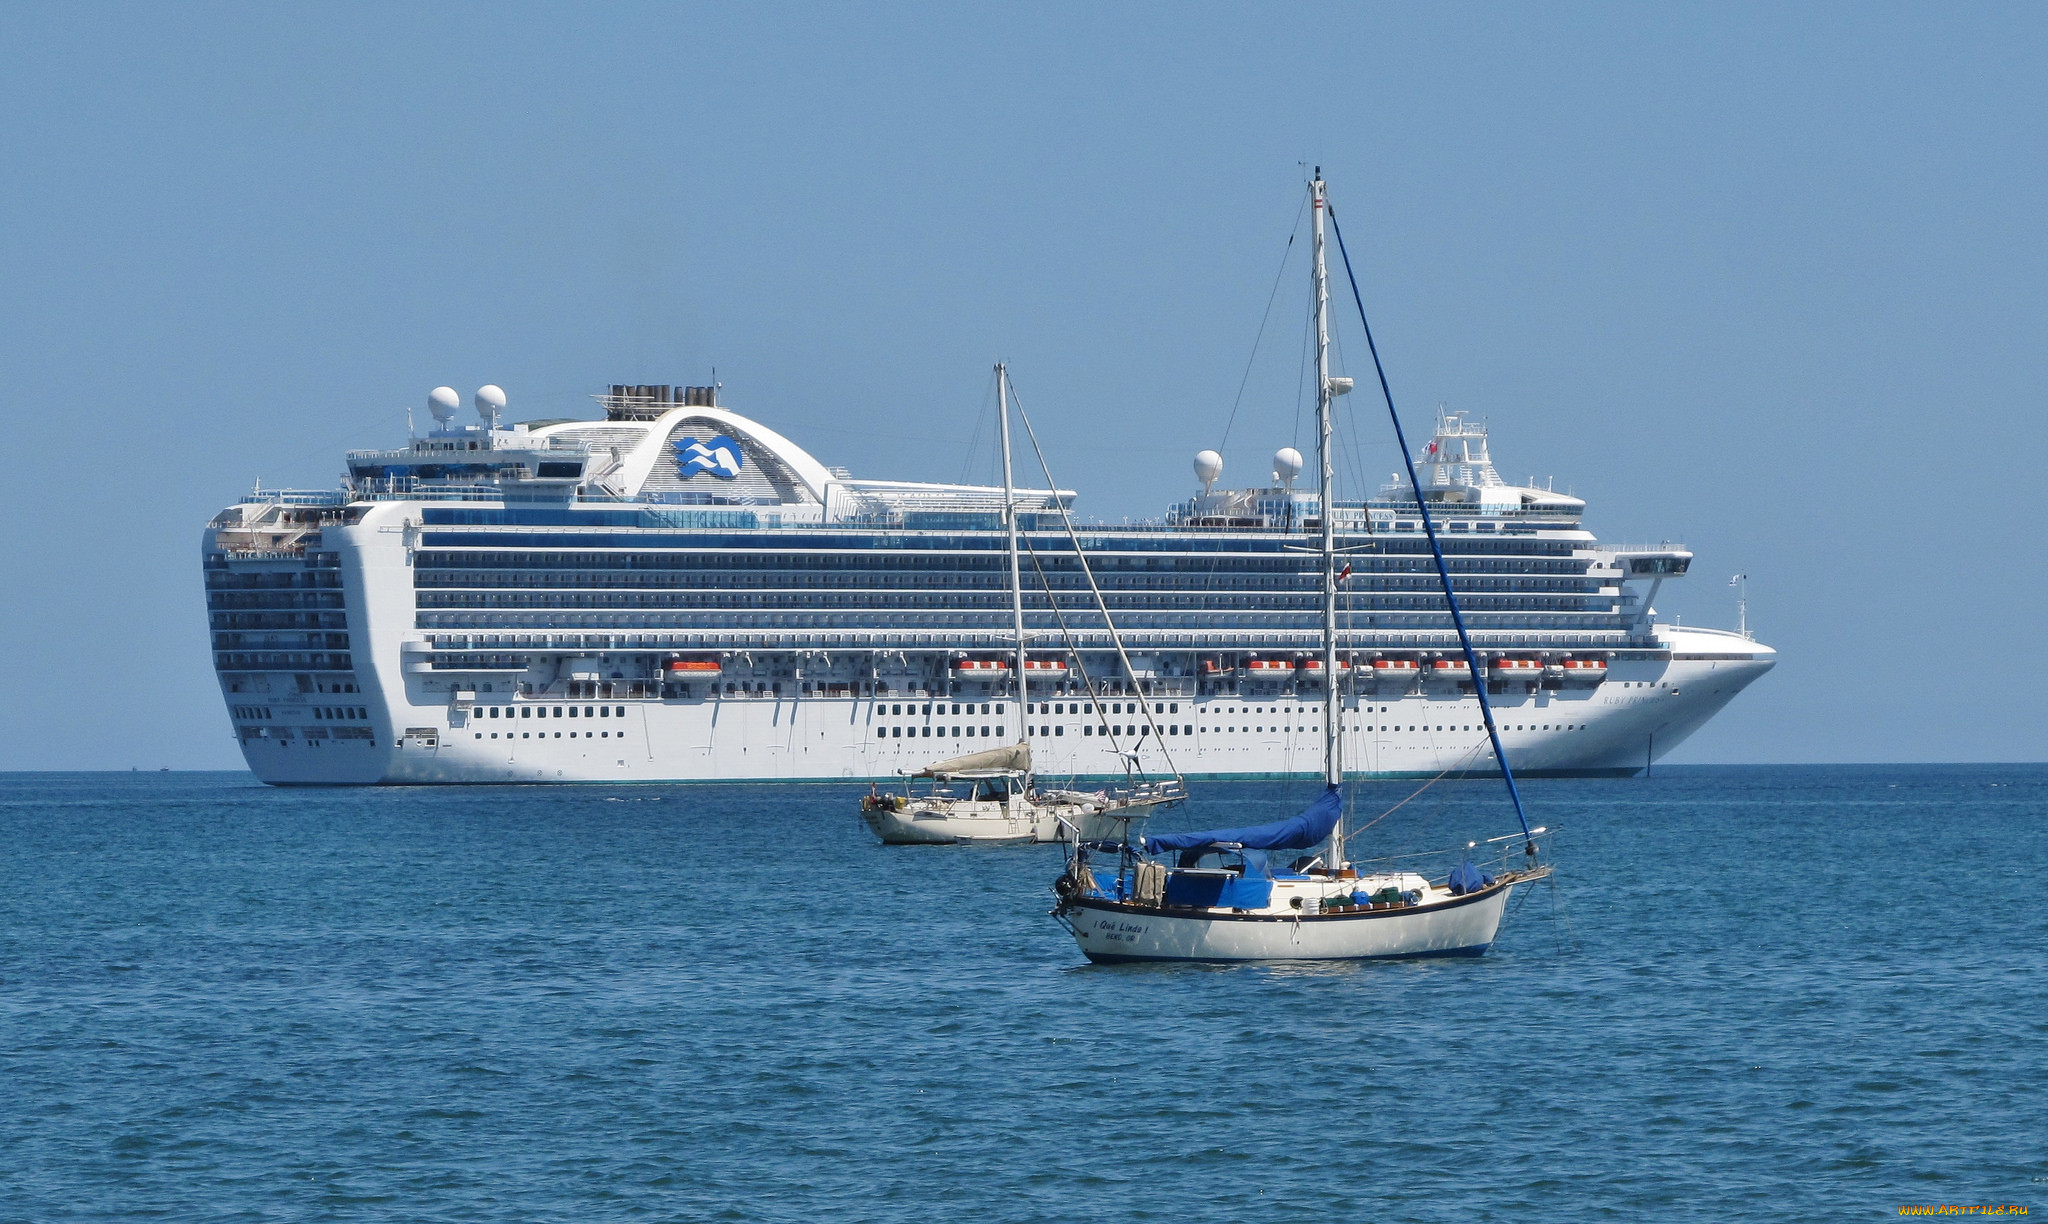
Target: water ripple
[{"x": 1753, "y": 992}]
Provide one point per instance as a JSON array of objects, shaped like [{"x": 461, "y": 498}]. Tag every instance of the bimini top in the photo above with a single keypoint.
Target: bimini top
[
  {"x": 1309, "y": 829},
  {"x": 1012, "y": 758}
]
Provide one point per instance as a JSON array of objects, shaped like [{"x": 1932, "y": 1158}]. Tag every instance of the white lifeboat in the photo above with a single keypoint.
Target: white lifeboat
[{"x": 1395, "y": 673}]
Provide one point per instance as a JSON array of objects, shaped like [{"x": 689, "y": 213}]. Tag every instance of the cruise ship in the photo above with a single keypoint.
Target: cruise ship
[{"x": 676, "y": 592}]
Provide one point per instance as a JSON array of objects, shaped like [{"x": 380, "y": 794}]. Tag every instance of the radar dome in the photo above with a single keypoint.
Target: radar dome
[
  {"x": 1287, "y": 465},
  {"x": 443, "y": 403},
  {"x": 1208, "y": 466},
  {"x": 490, "y": 401}
]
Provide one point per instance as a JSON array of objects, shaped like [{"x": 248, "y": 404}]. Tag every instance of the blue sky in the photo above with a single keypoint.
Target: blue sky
[{"x": 1768, "y": 280}]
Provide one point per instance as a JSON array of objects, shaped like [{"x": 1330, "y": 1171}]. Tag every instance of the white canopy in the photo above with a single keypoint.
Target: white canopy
[{"x": 1015, "y": 757}]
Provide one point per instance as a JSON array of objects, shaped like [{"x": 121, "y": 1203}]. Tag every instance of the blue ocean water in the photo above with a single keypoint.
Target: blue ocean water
[{"x": 1753, "y": 993}]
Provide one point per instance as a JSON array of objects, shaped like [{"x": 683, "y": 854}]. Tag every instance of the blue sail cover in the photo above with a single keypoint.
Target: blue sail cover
[{"x": 1311, "y": 828}]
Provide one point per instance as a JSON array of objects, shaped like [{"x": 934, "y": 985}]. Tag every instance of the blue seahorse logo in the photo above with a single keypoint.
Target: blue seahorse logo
[{"x": 720, "y": 456}]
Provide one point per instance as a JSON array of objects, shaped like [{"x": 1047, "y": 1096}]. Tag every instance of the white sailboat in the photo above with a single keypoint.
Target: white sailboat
[
  {"x": 1216, "y": 895},
  {"x": 992, "y": 796}
]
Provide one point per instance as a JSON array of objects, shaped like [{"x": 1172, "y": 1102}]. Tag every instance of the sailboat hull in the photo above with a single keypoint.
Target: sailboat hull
[
  {"x": 950, "y": 823},
  {"x": 1110, "y": 932}
]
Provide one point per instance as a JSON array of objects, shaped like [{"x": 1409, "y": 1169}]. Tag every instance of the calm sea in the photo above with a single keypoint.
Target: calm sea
[{"x": 1754, "y": 993}]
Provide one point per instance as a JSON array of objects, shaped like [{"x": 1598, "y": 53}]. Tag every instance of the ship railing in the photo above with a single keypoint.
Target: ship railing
[
  {"x": 408, "y": 488},
  {"x": 629, "y": 638},
  {"x": 294, "y": 497}
]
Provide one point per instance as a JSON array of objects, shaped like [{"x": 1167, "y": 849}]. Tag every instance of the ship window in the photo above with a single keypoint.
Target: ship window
[
  {"x": 494, "y": 711},
  {"x": 1089, "y": 730},
  {"x": 927, "y": 732},
  {"x": 558, "y": 711},
  {"x": 604, "y": 711},
  {"x": 526, "y": 712},
  {"x": 572, "y": 711},
  {"x": 1059, "y": 730}
]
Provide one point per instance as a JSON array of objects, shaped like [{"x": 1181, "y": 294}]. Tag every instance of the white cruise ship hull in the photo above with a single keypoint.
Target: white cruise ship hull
[{"x": 1618, "y": 729}]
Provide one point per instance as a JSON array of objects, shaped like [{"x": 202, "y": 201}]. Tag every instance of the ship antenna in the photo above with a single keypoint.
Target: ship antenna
[{"x": 1436, "y": 548}]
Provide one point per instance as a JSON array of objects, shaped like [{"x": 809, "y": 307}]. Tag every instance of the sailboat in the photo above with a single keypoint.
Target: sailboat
[
  {"x": 1219, "y": 894},
  {"x": 992, "y": 796}
]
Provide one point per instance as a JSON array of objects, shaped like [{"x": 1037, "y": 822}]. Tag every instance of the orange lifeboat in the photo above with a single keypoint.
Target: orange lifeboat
[
  {"x": 1517, "y": 669},
  {"x": 691, "y": 669},
  {"x": 1268, "y": 669},
  {"x": 1584, "y": 671},
  {"x": 1045, "y": 667},
  {"x": 1450, "y": 669},
  {"x": 980, "y": 669},
  {"x": 1313, "y": 667}
]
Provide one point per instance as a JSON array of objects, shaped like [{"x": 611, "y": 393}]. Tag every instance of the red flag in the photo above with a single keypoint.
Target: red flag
[{"x": 1345, "y": 572}]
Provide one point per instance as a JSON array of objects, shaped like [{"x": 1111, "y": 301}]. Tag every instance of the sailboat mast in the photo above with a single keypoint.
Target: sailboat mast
[
  {"x": 1333, "y": 765},
  {"x": 1016, "y": 572}
]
